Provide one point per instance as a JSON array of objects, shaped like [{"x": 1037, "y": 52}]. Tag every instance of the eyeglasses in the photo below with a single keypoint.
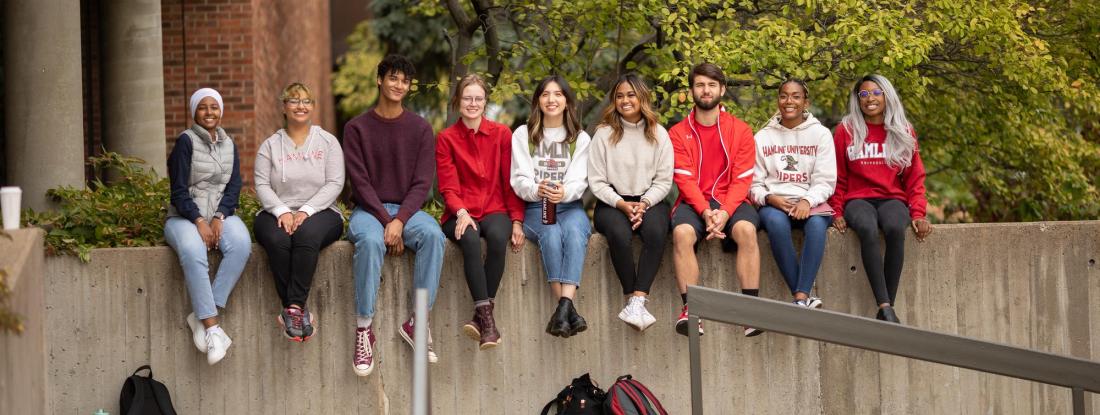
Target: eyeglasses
[
  {"x": 299, "y": 102},
  {"x": 876, "y": 92},
  {"x": 473, "y": 100}
]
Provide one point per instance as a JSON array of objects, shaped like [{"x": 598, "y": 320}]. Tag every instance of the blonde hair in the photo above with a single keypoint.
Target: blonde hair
[
  {"x": 469, "y": 79},
  {"x": 295, "y": 90},
  {"x": 611, "y": 113}
]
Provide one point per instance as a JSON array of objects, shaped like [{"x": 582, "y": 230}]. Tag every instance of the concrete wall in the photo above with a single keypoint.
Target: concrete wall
[
  {"x": 1023, "y": 284},
  {"x": 23, "y": 381}
]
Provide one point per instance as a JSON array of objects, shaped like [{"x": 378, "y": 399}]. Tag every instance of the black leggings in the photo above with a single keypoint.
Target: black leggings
[
  {"x": 293, "y": 258},
  {"x": 484, "y": 279},
  {"x": 615, "y": 226},
  {"x": 865, "y": 217}
]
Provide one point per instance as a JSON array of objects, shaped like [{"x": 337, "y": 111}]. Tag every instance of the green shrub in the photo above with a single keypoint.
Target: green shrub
[{"x": 128, "y": 211}]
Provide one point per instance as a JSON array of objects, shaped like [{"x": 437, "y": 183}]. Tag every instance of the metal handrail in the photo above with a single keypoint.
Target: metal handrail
[{"x": 844, "y": 329}]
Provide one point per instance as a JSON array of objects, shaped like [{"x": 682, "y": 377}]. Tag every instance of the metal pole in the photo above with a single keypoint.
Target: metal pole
[
  {"x": 696, "y": 366},
  {"x": 420, "y": 354},
  {"x": 1078, "y": 401}
]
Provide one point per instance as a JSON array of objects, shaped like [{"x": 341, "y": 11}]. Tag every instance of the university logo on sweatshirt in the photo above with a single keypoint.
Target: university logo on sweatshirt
[
  {"x": 870, "y": 153},
  {"x": 552, "y": 161}
]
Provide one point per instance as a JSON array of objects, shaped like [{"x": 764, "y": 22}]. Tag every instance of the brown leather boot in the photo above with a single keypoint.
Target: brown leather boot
[
  {"x": 472, "y": 328},
  {"x": 490, "y": 337}
]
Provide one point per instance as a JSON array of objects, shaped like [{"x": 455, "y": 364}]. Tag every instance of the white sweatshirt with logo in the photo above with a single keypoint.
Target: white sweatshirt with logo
[
  {"x": 552, "y": 160},
  {"x": 795, "y": 163}
]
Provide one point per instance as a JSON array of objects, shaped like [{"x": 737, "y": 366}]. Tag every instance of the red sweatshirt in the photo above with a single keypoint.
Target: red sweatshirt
[
  {"x": 865, "y": 175},
  {"x": 738, "y": 154},
  {"x": 474, "y": 170}
]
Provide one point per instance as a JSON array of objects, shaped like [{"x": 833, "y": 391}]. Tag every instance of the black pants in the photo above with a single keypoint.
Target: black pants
[
  {"x": 293, "y": 258},
  {"x": 483, "y": 278},
  {"x": 865, "y": 217},
  {"x": 615, "y": 226}
]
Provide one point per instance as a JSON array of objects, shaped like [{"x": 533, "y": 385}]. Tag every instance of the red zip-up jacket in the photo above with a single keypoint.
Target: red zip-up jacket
[
  {"x": 739, "y": 154},
  {"x": 865, "y": 175},
  {"x": 474, "y": 170}
]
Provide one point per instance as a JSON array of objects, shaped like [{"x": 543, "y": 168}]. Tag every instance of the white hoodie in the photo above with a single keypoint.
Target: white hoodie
[{"x": 796, "y": 163}]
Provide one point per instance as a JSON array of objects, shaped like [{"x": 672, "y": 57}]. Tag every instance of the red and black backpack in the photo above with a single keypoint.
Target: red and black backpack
[{"x": 630, "y": 397}]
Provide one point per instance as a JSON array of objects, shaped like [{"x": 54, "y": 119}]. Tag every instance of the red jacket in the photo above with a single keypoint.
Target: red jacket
[
  {"x": 474, "y": 169},
  {"x": 739, "y": 154},
  {"x": 868, "y": 176}
]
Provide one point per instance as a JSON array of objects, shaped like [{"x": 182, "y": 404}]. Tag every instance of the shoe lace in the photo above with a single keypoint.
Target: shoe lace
[
  {"x": 362, "y": 351},
  {"x": 296, "y": 319}
]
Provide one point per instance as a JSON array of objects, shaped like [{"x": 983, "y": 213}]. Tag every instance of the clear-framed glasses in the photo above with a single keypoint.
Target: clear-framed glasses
[
  {"x": 876, "y": 92},
  {"x": 473, "y": 100},
  {"x": 299, "y": 102}
]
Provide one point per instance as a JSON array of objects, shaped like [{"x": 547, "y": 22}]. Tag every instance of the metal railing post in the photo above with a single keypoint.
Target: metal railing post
[
  {"x": 1079, "y": 401},
  {"x": 863, "y": 333},
  {"x": 696, "y": 365},
  {"x": 420, "y": 354}
]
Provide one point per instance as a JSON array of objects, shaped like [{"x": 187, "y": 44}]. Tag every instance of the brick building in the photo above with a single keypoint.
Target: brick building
[{"x": 84, "y": 75}]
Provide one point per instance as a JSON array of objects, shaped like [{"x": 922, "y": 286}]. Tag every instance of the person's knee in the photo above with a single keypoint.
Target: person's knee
[
  {"x": 894, "y": 229},
  {"x": 744, "y": 233},
  {"x": 370, "y": 244},
  {"x": 683, "y": 236}
]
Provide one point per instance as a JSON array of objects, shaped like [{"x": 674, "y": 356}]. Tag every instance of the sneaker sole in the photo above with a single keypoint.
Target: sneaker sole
[
  {"x": 362, "y": 373},
  {"x": 470, "y": 331},
  {"x": 489, "y": 345}
]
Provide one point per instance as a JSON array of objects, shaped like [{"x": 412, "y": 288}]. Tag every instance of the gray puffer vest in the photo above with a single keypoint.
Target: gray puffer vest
[{"x": 211, "y": 168}]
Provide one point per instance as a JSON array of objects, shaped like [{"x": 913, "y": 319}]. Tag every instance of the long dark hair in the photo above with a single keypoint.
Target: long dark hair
[
  {"x": 611, "y": 115},
  {"x": 571, "y": 122}
]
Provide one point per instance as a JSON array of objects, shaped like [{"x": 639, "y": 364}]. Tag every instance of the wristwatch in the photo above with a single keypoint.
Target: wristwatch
[{"x": 219, "y": 215}]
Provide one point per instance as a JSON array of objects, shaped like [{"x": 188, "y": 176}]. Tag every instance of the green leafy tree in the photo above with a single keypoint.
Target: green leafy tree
[{"x": 1003, "y": 95}]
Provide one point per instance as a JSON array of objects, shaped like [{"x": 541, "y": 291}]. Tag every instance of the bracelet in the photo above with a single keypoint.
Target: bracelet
[{"x": 462, "y": 211}]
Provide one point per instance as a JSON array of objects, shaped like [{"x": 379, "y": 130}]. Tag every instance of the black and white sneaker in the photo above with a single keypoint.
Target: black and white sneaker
[{"x": 813, "y": 302}]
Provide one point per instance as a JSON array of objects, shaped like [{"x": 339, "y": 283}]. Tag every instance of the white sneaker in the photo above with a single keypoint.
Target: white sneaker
[
  {"x": 217, "y": 343},
  {"x": 629, "y": 314},
  {"x": 198, "y": 332},
  {"x": 644, "y": 317}
]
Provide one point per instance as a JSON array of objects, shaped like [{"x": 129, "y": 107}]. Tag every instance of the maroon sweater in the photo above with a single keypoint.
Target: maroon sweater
[{"x": 389, "y": 161}]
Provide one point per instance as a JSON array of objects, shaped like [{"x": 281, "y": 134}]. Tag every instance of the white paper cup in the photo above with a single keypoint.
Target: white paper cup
[{"x": 9, "y": 204}]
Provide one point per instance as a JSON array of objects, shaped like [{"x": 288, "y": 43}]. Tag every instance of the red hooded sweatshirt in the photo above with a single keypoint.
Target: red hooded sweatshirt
[
  {"x": 865, "y": 174},
  {"x": 739, "y": 156}
]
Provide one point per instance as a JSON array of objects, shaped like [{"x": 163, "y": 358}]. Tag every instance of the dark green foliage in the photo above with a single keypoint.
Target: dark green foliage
[{"x": 128, "y": 211}]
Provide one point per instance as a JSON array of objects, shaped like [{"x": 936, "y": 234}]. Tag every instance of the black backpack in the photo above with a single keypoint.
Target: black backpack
[
  {"x": 142, "y": 395},
  {"x": 581, "y": 397},
  {"x": 630, "y": 397}
]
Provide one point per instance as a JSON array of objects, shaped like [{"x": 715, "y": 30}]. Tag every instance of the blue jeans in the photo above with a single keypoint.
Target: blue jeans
[
  {"x": 236, "y": 246},
  {"x": 563, "y": 244},
  {"x": 799, "y": 273},
  {"x": 421, "y": 235}
]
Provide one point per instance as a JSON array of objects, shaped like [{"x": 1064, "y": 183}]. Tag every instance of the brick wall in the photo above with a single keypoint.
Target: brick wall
[{"x": 248, "y": 50}]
